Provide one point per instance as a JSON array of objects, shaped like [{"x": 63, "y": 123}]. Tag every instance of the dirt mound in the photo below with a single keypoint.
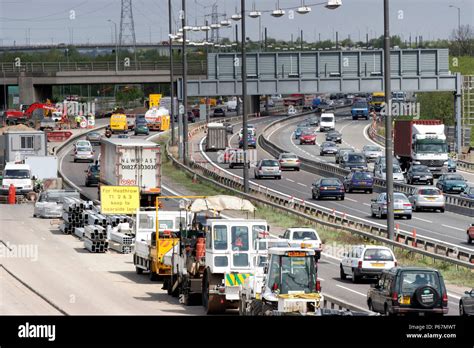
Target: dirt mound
[{"x": 18, "y": 127}]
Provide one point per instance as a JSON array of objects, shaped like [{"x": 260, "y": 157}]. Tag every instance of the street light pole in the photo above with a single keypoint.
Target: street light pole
[
  {"x": 185, "y": 89},
  {"x": 173, "y": 140},
  {"x": 116, "y": 44},
  {"x": 388, "y": 123},
  {"x": 459, "y": 24},
  {"x": 244, "y": 99}
]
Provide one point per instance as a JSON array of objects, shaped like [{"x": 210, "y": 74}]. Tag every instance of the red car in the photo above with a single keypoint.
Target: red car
[
  {"x": 470, "y": 234},
  {"x": 308, "y": 137}
]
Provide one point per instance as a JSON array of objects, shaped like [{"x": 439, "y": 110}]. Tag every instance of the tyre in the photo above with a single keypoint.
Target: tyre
[
  {"x": 298, "y": 169},
  {"x": 409, "y": 217},
  {"x": 462, "y": 312},
  {"x": 313, "y": 196},
  {"x": 342, "y": 198},
  {"x": 256, "y": 307},
  {"x": 469, "y": 240},
  {"x": 87, "y": 184},
  {"x": 342, "y": 275},
  {"x": 279, "y": 177},
  {"x": 231, "y": 166},
  {"x": 371, "y": 190},
  {"x": 355, "y": 277},
  {"x": 370, "y": 306},
  {"x": 138, "y": 270},
  {"x": 441, "y": 210},
  {"x": 372, "y": 214},
  {"x": 75, "y": 160},
  {"x": 153, "y": 276}
]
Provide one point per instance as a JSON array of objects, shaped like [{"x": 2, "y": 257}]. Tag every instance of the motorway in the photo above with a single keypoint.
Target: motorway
[{"x": 298, "y": 185}]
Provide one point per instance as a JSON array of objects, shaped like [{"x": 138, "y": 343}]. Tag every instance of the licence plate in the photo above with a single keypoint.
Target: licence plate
[
  {"x": 331, "y": 188},
  {"x": 398, "y": 211},
  {"x": 430, "y": 198},
  {"x": 363, "y": 183},
  {"x": 377, "y": 264},
  {"x": 456, "y": 188},
  {"x": 405, "y": 300}
]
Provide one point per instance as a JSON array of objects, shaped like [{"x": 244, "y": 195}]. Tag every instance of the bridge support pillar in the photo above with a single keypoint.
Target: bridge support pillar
[
  {"x": 26, "y": 89},
  {"x": 254, "y": 104}
]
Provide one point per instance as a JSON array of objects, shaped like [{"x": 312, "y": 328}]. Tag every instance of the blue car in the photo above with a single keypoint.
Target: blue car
[
  {"x": 298, "y": 132},
  {"x": 360, "y": 109},
  {"x": 359, "y": 180},
  {"x": 451, "y": 165},
  {"x": 454, "y": 183},
  {"x": 468, "y": 192},
  {"x": 328, "y": 187},
  {"x": 251, "y": 142}
]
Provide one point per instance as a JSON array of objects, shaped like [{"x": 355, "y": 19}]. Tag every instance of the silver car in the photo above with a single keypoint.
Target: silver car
[
  {"x": 401, "y": 205},
  {"x": 267, "y": 168},
  {"x": 84, "y": 153},
  {"x": 289, "y": 160},
  {"x": 381, "y": 173},
  {"x": 427, "y": 198},
  {"x": 328, "y": 148},
  {"x": 372, "y": 152}
]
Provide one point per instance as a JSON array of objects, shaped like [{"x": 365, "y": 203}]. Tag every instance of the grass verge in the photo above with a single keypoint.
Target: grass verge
[{"x": 336, "y": 241}]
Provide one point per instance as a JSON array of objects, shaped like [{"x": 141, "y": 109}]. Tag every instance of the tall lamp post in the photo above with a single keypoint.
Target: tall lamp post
[
  {"x": 388, "y": 122},
  {"x": 244, "y": 100},
  {"x": 173, "y": 140},
  {"x": 185, "y": 89},
  {"x": 116, "y": 44},
  {"x": 459, "y": 23}
]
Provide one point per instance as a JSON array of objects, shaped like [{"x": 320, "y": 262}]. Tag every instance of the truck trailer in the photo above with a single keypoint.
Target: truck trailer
[
  {"x": 421, "y": 142},
  {"x": 131, "y": 162},
  {"x": 216, "y": 137}
]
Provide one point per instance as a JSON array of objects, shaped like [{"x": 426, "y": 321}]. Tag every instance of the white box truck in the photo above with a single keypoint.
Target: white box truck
[{"x": 132, "y": 162}]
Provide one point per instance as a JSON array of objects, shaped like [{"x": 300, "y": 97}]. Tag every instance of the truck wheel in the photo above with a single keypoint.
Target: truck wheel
[
  {"x": 256, "y": 308},
  {"x": 138, "y": 270},
  {"x": 267, "y": 310},
  {"x": 242, "y": 305},
  {"x": 153, "y": 276},
  {"x": 212, "y": 303}
]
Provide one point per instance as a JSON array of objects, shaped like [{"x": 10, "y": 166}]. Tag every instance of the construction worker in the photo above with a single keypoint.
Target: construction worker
[{"x": 78, "y": 121}]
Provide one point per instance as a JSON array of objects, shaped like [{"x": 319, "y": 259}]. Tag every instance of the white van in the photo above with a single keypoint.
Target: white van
[
  {"x": 19, "y": 175},
  {"x": 327, "y": 122}
]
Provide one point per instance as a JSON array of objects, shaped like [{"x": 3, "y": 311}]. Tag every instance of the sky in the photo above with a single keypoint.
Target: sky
[{"x": 85, "y": 21}]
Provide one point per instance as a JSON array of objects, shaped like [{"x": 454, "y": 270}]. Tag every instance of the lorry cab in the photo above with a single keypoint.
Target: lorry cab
[
  {"x": 19, "y": 175},
  {"x": 230, "y": 244},
  {"x": 377, "y": 100},
  {"x": 118, "y": 123}
]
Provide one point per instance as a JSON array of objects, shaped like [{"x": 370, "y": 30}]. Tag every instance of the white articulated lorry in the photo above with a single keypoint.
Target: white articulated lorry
[{"x": 131, "y": 162}]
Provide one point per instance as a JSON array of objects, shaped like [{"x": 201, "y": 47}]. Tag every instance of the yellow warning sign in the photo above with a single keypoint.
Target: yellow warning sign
[
  {"x": 119, "y": 199},
  {"x": 155, "y": 100}
]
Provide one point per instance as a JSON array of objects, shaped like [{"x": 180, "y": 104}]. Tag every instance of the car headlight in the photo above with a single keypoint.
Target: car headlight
[
  {"x": 416, "y": 162},
  {"x": 27, "y": 186},
  {"x": 445, "y": 163}
]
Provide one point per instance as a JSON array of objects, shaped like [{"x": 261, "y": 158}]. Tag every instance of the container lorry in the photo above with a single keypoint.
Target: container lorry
[
  {"x": 421, "y": 142},
  {"x": 216, "y": 137},
  {"x": 132, "y": 162}
]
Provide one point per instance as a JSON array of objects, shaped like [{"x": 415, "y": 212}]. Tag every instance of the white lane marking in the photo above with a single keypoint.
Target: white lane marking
[
  {"x": 454, "y": 296},
  {"x": 367, "y": 204},
  {"x": 331, "y": 256},
  {"x": 290, "y": 180},
  {"x": 321, "y": 279},
  {"x": 417, "y": 218},
  {"x": 302, "y": 184},
  {"x": 355, "y": 292},
  {"x": 373, "y": 223},
  {"x": 454, "y": 228},
  {"x": 350, "y": 199}
]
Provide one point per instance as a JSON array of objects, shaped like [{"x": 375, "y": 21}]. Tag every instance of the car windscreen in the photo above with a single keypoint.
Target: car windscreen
[
  {"x": 330, "y": 182},
  {"x": 454, "y": 177},
  {"x": 327, "y": 119},
  {"x": 421, "y": 169},
  {"x": 356, "y": 158},
  {"x": 378, "y": 255},
  {"x": 429, "y": 192},
  {"x": 287, "y": 156},
  {"x": 362, "y": 176},
  {"x": 299, "y": 235},
  {"x": 84, "y": 149},
  {"x": 360, "y": 105},
  {"x": 412, "y": 280},
  {"x": 396, "y": 169},
  {"x": 16, "y": 174},
  {"x": 372, "y": 148},
  {"x": 328, "y": 144},
  {"x": 269, "y": 163},
  {"x": 297, "y": 274},
  {"x": 399, "y": 197},
  {"x": 307, "y": 132}
]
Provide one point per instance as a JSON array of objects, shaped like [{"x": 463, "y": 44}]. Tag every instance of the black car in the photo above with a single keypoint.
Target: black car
[
  {"x": 92, "y": 175},
  {"x": 313, "y": 121},
  {"x": 218, "y": 112},
  {"x": 466, "y": 304},
  {"x": 419, "y": 173},
  {"x": 409, "y": 290},
  {"x": 353, "y": 160},
  {"x": 94, "y": 138},
  {"x": 334, "y": 136},
  {"x": 191, "y": 117}
]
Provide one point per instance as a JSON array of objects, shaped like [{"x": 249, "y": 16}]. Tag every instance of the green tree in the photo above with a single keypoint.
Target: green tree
[{"x": 437, "y": 105}]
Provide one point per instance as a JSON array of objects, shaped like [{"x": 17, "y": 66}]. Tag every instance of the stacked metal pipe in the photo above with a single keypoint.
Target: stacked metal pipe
[
  {"x": 95, "y": 239},
  {"x": 73, "y": 215},
  {"x": 121, "y": 238}
]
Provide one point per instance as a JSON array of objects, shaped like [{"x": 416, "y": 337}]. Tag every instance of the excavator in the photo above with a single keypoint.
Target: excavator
[{"x": 33, "y": 113}]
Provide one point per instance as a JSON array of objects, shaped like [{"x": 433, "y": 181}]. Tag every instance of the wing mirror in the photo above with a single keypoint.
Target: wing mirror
[{"x": 373, "y": 200}]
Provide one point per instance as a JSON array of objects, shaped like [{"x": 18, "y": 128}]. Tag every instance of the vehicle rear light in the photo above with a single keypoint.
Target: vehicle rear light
[
  {"x": 396, "y": 263},
  {"x": 298, "y": 161},
  {"x": 275, "y": 287},
  {"x": 407, "y": 204},
  {"x": 359, "y": 265},
  {"x": 318, "y": 286},
  {"x": 445, "y": 299},
  {"x": 323, "y": 188},
  {"x": 395, "y": 297},
  {"x": 281, "y": 161}
]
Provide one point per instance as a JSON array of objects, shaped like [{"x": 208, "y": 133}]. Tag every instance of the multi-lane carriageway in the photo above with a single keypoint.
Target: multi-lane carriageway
[{"x": 119, "y": 268}]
